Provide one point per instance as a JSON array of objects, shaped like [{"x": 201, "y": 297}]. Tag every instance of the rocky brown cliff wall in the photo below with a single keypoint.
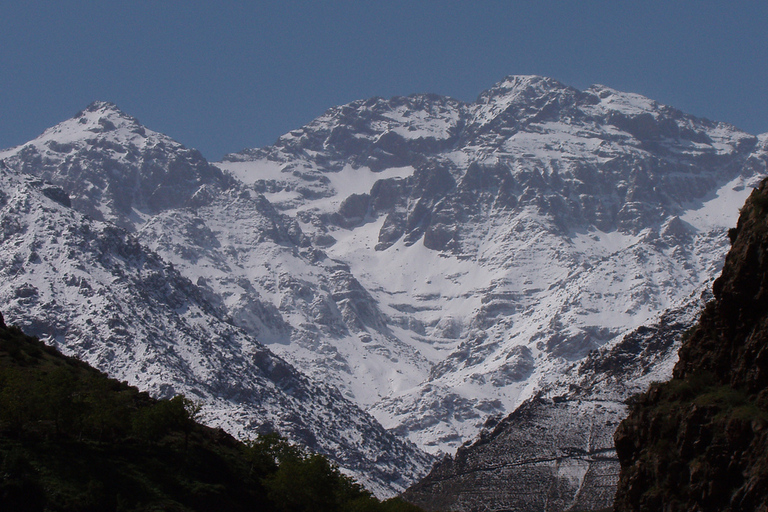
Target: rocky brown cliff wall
[{"x": 700, "y": 441}]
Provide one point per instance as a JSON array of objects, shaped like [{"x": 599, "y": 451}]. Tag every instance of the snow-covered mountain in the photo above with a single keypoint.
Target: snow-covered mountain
[
  {"x": 501, "y": 240},
  {"x": 114, "y": 169},
  {"x": 437, "y": 262},
  {"x": 97, "y": 293}
]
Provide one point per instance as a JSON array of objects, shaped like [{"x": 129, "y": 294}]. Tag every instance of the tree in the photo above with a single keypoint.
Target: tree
[
  {"x": 309, "y": 482},
  {"x": 60, "y": 399},
  {"x": 177, "y": 414},
  {"x": 15, "y": 407}
]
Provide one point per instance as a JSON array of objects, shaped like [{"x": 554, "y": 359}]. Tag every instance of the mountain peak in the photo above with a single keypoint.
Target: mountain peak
[
  {"x": 514, "y": 86},
  {"x": 103, "y": 148},
  {"x": 103, "y": 116},
  {"x": 104, "y": 106}
]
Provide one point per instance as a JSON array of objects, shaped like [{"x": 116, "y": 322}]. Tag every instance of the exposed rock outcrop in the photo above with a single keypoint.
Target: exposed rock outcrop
[{"x": 699, "y": 442}]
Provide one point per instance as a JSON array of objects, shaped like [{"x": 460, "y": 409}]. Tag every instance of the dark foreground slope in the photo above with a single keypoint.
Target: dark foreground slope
[
  {"x": 700, "y": 441},
  {"x": 72, "y": 439}
]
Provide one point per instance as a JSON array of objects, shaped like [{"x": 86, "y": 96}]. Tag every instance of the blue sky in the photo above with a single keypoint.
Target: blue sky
[{"x": 228, "y": 75}]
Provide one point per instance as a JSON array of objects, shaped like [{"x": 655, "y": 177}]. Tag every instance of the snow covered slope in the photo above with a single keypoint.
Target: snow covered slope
[
  {"x": 556, "y": 452},
  {"x": 95, "y": 292},
  {"x": 501, "y": 240}
]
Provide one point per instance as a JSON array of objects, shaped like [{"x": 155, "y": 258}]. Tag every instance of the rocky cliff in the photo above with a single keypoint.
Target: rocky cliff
[{"x": 699, "y": 442}]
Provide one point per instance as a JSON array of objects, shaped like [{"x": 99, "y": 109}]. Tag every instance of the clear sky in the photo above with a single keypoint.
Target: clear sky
[{"x": 227, "y": 75}]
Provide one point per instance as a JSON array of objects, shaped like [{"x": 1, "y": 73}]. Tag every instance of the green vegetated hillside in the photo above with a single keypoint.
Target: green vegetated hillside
[
  {"x": 700, "y": 441},
  {"x": 72, "y": 439}
]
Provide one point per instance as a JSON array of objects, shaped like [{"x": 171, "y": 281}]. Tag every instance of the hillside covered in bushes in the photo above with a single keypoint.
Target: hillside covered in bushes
[{"x": 72, "y": 439}]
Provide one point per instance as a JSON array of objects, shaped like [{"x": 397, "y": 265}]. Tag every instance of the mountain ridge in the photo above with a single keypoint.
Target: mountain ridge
[{"x": 438, "y": 272}]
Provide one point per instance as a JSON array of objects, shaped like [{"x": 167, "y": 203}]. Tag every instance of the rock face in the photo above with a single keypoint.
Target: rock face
[{"x": 699, "y": 441}]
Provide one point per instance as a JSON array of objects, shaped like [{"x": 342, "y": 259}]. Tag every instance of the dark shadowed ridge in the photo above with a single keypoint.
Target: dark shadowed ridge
[{"x": 699, "y": 441}]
